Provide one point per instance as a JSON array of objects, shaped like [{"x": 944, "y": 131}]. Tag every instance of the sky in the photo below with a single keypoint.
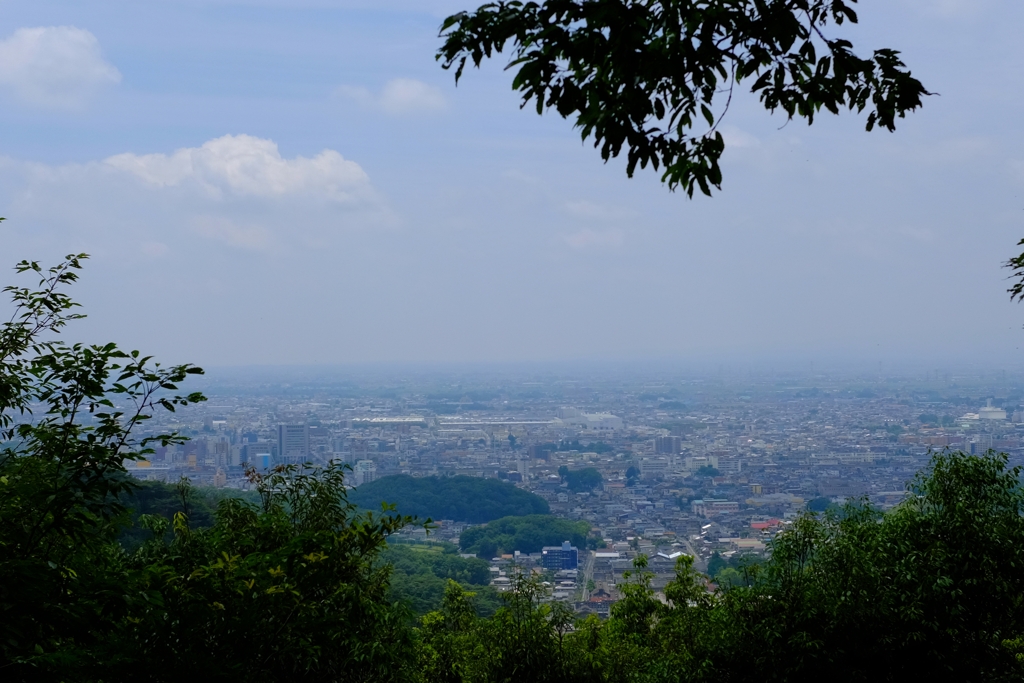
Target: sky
[{"x": 300, "y": 183}]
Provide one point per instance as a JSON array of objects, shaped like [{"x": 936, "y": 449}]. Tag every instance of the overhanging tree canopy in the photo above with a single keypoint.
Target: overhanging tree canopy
[{"x": 644, "y": 74}]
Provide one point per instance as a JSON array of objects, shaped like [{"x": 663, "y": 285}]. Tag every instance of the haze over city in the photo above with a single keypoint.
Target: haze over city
[{"x": 300, "y": 183}]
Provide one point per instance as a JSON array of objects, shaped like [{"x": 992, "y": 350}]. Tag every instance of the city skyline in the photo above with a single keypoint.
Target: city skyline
[{"x": 712, "y": 466}]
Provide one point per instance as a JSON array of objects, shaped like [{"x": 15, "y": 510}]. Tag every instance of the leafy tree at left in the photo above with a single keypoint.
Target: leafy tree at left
[
  {"x": 67, "y": 417},
  {"x": 286, "y": 585},
  {"x": 288, "y": 588}
]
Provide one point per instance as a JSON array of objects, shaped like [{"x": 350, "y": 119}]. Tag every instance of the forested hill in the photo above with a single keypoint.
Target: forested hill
[
  {"x": 525, "y": 534},
  {"x": 463, "y": 499}
]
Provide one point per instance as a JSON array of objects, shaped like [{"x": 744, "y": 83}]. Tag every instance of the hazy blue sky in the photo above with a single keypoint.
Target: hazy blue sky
[{"x": 299, "y": 182}]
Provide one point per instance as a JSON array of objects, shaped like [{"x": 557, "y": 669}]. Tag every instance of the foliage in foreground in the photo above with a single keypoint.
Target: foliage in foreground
[
  {"x": 289, "y": 587},
  {"x": 420, "y": 575},
  {"x": 296, "y": 574},
  {"x": 67, "y": 413},
  {"x": 419, "y": 572},
  {"x": 166, "y": 500},
  {"x": 641, "y": 75},
  {"x": 932, "y": 589}
]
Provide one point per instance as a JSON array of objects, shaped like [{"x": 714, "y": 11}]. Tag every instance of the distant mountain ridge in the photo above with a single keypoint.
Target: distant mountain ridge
[{"x": 460, "y": 498}]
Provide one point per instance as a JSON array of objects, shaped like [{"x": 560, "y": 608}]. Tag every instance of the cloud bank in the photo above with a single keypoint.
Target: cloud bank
[
  {"x": 54, "y": 67},
  {"x": 236, "y": 192},
  {"x": 244, "y": 165}
]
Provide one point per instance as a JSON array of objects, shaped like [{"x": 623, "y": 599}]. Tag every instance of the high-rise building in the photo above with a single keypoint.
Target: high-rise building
[
  {"x": 668, "y": 445},
  {"x": 259, "y": 454},
  {"x": 364, "y": 472},
  {"x": 730, "y": 464},
  {"x": 292, "y": 444},
  {"x": 539, "y": 451},
  {"x": 220, "y": 452},
  {"x": 523, "y": 468},
  {"x": 561, "y": 557}
]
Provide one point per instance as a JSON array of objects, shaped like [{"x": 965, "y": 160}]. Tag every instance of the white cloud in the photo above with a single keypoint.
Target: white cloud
[
  {"x": 57, "y": 67},
  {"x": 249, "y": 166},
  {"x": 734, "y": 137},
  {"x": 233, "y": 193},
  {"x": 398, "y": 97},
  {"x": 405, "y": 95},
  {"x": 588, "y": 238}
]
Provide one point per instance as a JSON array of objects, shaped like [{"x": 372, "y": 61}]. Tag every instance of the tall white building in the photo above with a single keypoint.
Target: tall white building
[
  {"x": 364, "y": 472},
  {"x": 523, "y": 467},
  {"x": 292, "y": 444}
]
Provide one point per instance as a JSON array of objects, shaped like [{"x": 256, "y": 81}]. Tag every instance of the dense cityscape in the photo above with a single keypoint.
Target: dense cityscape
[{"x": 704, "y": 465}]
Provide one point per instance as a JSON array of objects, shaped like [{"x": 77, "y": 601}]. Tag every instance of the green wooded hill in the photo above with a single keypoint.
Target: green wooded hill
[
  {"x": 464, "y": 499},
  {"x": 526, "y": 534}
]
